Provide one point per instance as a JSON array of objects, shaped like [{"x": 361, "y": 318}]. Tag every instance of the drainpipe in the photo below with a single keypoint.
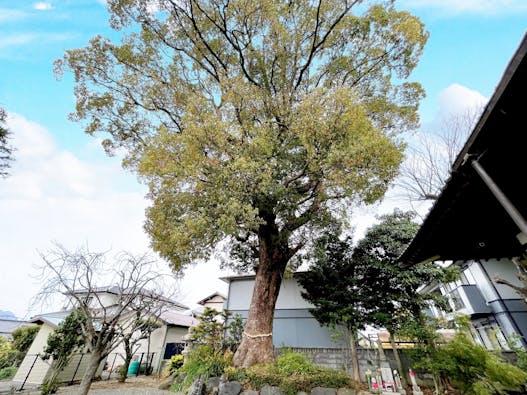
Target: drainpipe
[{"x": 504, "y": 201}]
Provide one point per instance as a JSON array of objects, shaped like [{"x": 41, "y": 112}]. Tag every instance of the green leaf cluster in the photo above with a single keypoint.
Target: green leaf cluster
[
  {"x": 8, "y": 354},
  {"x": 475, "y": 370},
  {"x": 12, "y": 352},
  {"x": 23, "y": 338},
  {"x": 218, "y": 330},
  {"x": 244, "y": 116},
  {"x": 366, "y": 284},
  {"x": 203, "y": 362},
  {"x": 291, "y": 372},
  {"x": 65, "y": 339}
]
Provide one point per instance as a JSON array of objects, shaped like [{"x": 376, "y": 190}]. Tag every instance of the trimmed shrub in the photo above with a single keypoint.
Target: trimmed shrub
[
  {"x": 7, "y": 373},
  {"x": 292, "y": 372},
  {"x": 203, "y": 362}
]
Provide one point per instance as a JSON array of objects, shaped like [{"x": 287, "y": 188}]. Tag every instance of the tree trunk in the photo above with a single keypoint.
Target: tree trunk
[
  {"x": 257, "y": 341},
  {"x": 354, "y": 355},
  {"x": 400, "y": 368},
  {"x": 123, "y": 371},
  {"x": 95, "y": 360}
]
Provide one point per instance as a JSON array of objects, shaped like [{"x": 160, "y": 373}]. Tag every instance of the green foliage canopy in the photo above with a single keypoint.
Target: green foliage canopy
[
  {"x": 245, "y": 117},
  {"x": 218, "y": 330},
  {"x": 23, "y": 338},
  {"x": 66, "y": 338},
  {"x": 366, "y": 284}
]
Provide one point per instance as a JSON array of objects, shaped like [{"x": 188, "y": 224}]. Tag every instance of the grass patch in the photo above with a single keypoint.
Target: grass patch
[{"x": 7, "y": 373}]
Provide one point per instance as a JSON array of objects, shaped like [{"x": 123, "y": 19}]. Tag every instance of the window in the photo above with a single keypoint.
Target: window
[
  {"x": 173, "y": 349},
  {"x": 456, "y": 298}
]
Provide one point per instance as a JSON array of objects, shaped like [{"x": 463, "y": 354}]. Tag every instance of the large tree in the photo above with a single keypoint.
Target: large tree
[
  {"x": 253, "y": 122},
  {"x": 335, "y": 285},
  {"x": 392, "y": 286},
  {"x": 366, "y": 284}
]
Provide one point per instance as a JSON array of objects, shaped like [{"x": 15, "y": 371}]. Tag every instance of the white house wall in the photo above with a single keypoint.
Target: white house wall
[
  {"x": 40, "y": 368},
  {"x": 215, "y": 303}
]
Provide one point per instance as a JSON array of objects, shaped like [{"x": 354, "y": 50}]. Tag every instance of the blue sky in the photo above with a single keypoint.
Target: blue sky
[{"x": 62, "y": 186}]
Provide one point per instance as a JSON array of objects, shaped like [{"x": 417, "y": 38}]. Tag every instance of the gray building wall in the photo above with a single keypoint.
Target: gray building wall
[
  {"x": 493, "y": 307},
  {"x": 293, "y": 325}
]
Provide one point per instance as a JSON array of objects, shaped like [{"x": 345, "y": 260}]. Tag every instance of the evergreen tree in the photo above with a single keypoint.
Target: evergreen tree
[{"x": 252, "y": 122}]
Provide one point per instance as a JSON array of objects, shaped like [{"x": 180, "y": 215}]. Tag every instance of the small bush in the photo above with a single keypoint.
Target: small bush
[
  {"x": 292, "y": 372},
  {"x": 205, "y": 362},
  {"x": 7, "y": 373},
  {"x": 294, "y": 363},
  {"x": 176, "y": 362}
]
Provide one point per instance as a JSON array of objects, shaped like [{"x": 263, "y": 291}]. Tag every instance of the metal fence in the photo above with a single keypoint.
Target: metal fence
[{"x": 34, "y": 370}]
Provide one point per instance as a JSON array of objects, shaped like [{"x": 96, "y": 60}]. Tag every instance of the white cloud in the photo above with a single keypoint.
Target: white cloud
[
  {"x": 486, "y": 7},
  {"x": 52, "y": 195},
  {"x": 17, "y": 39},
  {"x": 28, "y": 38},
  {"x": 458, "y": 99},
  {"x": 11, "y": 15},
  {"x": 42, "y": 6}
]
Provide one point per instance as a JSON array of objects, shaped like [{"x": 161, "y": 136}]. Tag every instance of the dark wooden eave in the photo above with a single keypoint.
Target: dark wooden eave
[{"x": 467, "y": 221}]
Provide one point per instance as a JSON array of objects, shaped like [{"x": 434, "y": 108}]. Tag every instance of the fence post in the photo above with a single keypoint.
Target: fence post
[
  {"x": 77, "y": 368},
  {"x": 111, "y": 369},
  {"x": 149, "y": 365},
  {"x": 141, "y": 360},
  {"x": 28, "y": 373}
]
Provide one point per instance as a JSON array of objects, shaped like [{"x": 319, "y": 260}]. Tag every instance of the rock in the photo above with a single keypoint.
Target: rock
[
  {"x": 250, "y": 392},
  {"x": 181, "y": 377},
  {"x": 212, "y": 385},
  {"x": 346, "y": 391},
  {"x": 301, "y": 393},
  {"x": 230, "y": 388},
  {"x": 167, "y": 383},
  {"x": 197, "y": 387},
  {"x": 269, "y": 390},
  {"x": 323, "y": 391}
]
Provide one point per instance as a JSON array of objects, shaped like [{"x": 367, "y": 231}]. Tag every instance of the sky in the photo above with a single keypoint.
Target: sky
[{"x": 63, "y": 188}]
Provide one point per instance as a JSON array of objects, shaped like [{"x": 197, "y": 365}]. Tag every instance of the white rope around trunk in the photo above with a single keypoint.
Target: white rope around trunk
[{"x": 258, "y": 335}]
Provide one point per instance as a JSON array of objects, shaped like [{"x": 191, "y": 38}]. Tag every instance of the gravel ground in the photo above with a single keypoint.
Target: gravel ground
[
  {"x": 133, "y": 386},
  {"x": 117, "y": 391}
]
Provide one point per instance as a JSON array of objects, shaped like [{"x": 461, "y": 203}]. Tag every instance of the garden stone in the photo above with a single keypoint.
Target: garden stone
[
  {"x": 249, "y": 392},
  {"x": 230, "y": 388},
  {"x": 197, "y": 387},
  {"x": 167, "y": 383},
  {"x": 301, "y": 393},
  {"x": 346, "y": 391},
  {"x": 269, "y": 390},
  {"x": 323, "y": 391},
  {"x": 212, "y": 386}
]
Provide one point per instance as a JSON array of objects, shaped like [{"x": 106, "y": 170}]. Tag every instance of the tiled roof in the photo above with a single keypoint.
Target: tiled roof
[
  {"x": 8, "y": 326},
  {"x": 172, "y": 317}
]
